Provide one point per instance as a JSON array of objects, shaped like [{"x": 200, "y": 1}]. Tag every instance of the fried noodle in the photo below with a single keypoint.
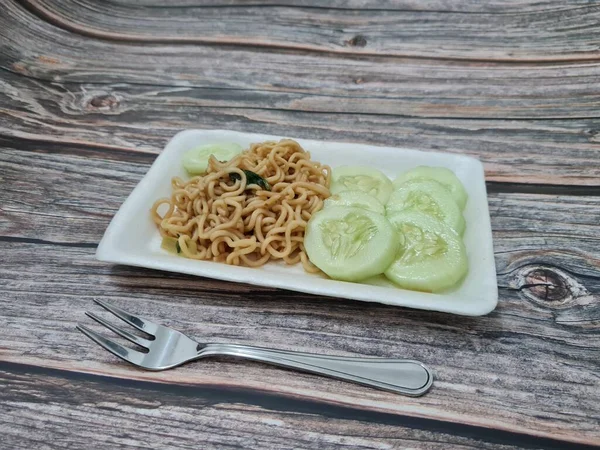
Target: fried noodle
[{"x": 220, "y": 217}]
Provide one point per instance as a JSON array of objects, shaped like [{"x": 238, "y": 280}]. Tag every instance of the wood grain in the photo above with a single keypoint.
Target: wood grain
[
  {"x": 568, "y": 33},
  {"x": 120, "y": 413},
  {"x": 373, "y": 85},
  {"x": 130, "y": 121},
  {"x": 538, "y": 375},
  {"x": 467, "y": 6},
  {"x": 553, "y": 321}
]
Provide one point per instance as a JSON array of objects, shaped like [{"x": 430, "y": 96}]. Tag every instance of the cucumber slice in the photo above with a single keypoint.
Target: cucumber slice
[
  {"x": 195, "y": 161},
  {"x": 170, "y": 244},
  {"x": 350, "y": 243},
  {"x": 441, "y": 175},
  {"x": 365, "y": 179},
  {"x": 431, "y": 256},
  {"x": 358, "y": 199},
  {"x": 428, "y": 197}
]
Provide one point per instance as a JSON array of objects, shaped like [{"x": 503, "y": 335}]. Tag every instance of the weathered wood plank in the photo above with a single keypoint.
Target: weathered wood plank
[
  {"x": 538, "y": 348},
  {"x": 134, "y": 122},
  {"x": 81, "y": 411},
  {"x": 375, "y": 85},
  {"x": 467, "y": 6},
  {"x": 517, "y": 369},
  {"x": 553, "y": 34}
]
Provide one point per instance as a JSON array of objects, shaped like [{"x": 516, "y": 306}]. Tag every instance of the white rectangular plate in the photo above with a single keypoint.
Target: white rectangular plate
[{"x": 133, "y": 239}]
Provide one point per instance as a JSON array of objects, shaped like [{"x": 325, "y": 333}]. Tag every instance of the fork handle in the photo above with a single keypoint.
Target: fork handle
[{"x": 397, "y": 375}]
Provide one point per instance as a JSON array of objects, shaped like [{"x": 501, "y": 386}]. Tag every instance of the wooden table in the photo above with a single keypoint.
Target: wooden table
[{"x": 90, "y": 92}]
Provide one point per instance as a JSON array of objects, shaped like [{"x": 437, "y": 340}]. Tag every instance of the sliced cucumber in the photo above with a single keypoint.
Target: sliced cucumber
[
  {"x": 365, "y": 179},
  {"x": 195, "y": 161},
  {"x": 439, "y": 174},
  {"x": 350, "y": 243},
  {"x": 428, "y": 197},
  {"x": 358, "y": 199},
  {"x": 170, "y": 244},
  {"x": 431, "y": 256}
]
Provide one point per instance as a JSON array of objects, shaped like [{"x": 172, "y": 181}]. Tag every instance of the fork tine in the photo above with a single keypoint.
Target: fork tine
[
  {"x": 141, "y": 324},
  {"x": 121, "y": 332},
  {"x": 129, "y": 355}
]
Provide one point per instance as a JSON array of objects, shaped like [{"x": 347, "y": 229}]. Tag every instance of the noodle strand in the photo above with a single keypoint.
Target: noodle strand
[{"x": 220, "y": 218}]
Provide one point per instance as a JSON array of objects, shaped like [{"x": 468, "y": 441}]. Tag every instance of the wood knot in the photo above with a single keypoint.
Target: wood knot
[
  {"x": 92, "y": 102},
  {"x": 357, "y": 41},
  {"x": 104, "y": 102},
  {"x": 549, "y": 286},
  {"x": 545, "y": 285}
]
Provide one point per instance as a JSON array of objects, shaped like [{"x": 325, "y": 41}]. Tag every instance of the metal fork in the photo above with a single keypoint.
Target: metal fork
[{"x": 168, "y": 348}]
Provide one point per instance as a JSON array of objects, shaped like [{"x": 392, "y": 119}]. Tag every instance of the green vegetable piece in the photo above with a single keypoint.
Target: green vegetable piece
[
  {"x": 170, "y": 244},
  {"x": 251, "y": 178},
  {"x": 440, "y": 174},
  {"x": 365, "y": 179},
  {"x": 357, "y": 199},
  {"x": 431, "y": 256},
  {"x": 428, "y": 197},
  {"x": 350, "y": 243},
  {"x": 195, "y": 161}
]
